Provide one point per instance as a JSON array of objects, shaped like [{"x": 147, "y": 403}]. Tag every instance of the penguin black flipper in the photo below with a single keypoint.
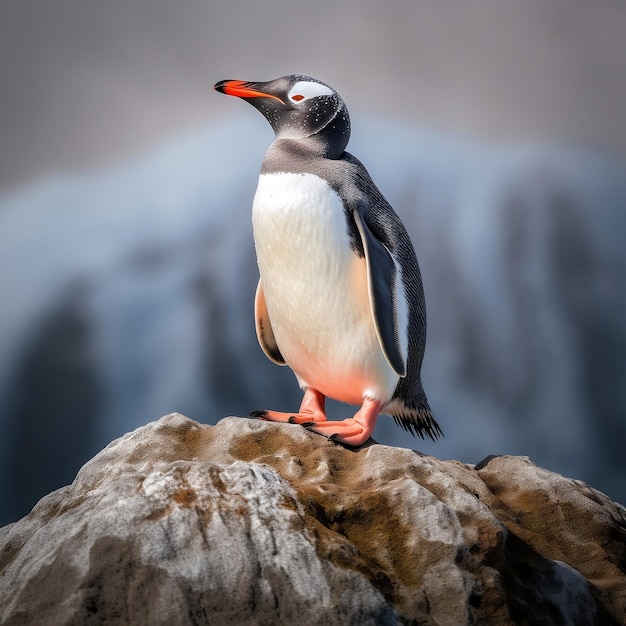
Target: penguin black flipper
[
  {"x": 383, "y": 279},
  {"x": 409, "y": 406},
  {"x": 264, "y": 331}
]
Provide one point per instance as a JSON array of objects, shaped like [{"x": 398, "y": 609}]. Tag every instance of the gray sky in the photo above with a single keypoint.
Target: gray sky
[{"x": 86, "y": 82}]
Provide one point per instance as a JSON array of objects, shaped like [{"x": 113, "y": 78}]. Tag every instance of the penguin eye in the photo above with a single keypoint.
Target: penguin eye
[{"x": 305, "y": 89}]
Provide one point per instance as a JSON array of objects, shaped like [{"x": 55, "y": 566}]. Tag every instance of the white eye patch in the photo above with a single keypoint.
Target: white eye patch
[{"x": 303, "y": 90}]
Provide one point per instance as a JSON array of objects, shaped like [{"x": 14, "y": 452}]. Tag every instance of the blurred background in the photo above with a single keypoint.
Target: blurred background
[{"x": 127, "y": 269}]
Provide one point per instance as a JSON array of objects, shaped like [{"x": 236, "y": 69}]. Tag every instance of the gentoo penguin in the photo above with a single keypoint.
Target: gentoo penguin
[{"x": 340, "y": 297}]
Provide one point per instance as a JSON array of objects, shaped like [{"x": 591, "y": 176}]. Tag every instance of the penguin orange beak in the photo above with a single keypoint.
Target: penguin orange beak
[{"x": 243, "y": 89}]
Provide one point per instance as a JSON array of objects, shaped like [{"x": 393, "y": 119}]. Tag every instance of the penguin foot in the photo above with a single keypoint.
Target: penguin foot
[
  {"x": 291, "y": 418},
  {"x": 348, "y": 431},
  {"x": 353, "y": 431},
  {"x": 311, "y": 410}
]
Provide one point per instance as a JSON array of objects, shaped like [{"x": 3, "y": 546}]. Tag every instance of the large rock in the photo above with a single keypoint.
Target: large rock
[{"x": 251, "y": 522}]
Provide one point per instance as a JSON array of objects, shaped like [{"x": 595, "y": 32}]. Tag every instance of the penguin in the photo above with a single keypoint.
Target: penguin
[{"x": 340, "y": 297}]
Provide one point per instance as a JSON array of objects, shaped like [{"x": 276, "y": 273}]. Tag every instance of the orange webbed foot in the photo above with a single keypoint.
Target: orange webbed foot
[
  {"x": 291, "y": 418},
  {"x": 348, "y": 431},
  {"x": 311, "y": 411},
  {"x": 353, "y": 431}
]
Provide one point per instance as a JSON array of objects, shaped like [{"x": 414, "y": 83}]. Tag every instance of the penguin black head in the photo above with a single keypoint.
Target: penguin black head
[{"x": 298, "y": 107}]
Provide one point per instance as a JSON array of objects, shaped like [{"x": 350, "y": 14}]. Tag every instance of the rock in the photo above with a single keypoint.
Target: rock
[{"x": 248, "y": 522}]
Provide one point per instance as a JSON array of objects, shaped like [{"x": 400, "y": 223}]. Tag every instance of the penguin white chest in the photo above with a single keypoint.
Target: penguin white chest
[{"x": 316, "y": 289}]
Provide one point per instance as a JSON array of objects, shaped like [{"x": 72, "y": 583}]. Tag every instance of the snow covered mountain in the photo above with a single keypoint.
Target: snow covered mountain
[{"x": 127, "y": 294}]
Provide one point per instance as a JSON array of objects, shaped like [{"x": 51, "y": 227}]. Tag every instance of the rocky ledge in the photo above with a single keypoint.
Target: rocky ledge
[{"x": 249, "y": 522}]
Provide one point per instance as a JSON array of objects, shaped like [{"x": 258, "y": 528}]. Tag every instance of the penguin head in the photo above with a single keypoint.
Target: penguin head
[{"x": 298, "y": 107}]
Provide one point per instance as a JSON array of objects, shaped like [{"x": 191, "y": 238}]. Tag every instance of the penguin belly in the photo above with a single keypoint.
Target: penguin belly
[{"x": 316, "y": 289}]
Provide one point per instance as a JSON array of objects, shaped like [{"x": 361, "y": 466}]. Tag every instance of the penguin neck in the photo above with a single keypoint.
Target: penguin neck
[
  {"x": 312, "y": 147},
  {"x": 293, "y": 155}
]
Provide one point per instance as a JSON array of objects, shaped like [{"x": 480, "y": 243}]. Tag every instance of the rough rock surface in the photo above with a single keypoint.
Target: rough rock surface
[{"x": 249, "y": 522}]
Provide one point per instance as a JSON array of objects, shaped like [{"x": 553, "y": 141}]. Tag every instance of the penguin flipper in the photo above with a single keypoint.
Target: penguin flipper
[
  {"x": 383, "y": 277},
  {"x": 264, "y": 331}
]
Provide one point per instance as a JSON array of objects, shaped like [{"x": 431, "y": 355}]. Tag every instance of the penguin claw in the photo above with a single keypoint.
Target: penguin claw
[{"x": 258, "y": 415}]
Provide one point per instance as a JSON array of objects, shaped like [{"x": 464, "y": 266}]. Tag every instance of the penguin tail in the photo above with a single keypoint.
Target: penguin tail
[{"x": 419, "y": 421}]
